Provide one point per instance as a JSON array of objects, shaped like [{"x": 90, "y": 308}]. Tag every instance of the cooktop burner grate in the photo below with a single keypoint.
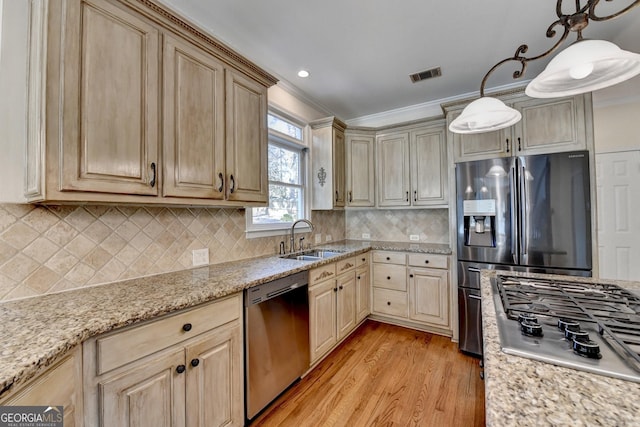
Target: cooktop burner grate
[{"x": 614, "y": 310}]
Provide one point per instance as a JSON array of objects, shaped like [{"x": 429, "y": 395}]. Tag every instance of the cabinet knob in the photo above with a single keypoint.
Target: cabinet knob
[
  {"x": 388, "y": 277},
  {"x": 358, "y": 277},
  {"x": 388, "y": 259},
  {"x": 180, "y": 369},
  {"x": 411, "y": 275},
  {"x": 388, "y": 302},
  {"x": 364, "y": 259},
  {"x": 187, "y": 327},
  {"x": 426, "y": 261},
  {"x": 341, "y": 287},
  {"x": 335, "y": 289},
  {"x": 195, "y": 362}
]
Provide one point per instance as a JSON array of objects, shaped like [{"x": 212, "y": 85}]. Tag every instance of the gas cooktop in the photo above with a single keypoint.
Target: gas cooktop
[{"x": 586, "y": 326}]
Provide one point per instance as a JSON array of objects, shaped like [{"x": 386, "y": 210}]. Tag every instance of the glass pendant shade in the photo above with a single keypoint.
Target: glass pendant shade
[
  {"x": 485, "y": 114},
  {"x": 584, "y": 66}
]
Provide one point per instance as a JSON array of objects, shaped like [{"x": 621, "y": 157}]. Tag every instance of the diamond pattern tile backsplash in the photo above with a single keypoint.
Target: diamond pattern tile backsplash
[
  {"x": 46, "y": 249},
  {"x": 390, "y": 225}
]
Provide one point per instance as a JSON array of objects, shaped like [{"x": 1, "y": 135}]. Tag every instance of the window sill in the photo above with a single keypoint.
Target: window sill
[{"x": 280, "y": 231}]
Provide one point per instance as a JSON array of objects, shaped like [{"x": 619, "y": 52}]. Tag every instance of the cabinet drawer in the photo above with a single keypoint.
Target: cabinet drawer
[
  {"x": 345, "y": 265},
  {"x": 390, "y": 302},
  {"x": 389, "y": 257},
  {"x": 429, "y": 261},
  {"x": 120, "y": 348},
  {"x": 363, "y": 259},
  {"x": 323, "y": 273},
  {"x": 390, "y": 276}
]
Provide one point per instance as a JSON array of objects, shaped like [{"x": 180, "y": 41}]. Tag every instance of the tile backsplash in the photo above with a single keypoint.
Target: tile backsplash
[
  {"x": 391, "y": 225},
  {"x": 46, "y": 249}
]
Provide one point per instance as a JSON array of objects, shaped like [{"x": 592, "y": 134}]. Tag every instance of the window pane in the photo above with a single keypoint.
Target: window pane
[
  {"x": 284, "y": 165},
  {"x": 284, "y": 206},
  {"x": 282, "y": 126}
]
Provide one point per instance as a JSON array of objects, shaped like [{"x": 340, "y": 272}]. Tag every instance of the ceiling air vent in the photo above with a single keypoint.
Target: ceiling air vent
[{"x": 423, "y": 75}]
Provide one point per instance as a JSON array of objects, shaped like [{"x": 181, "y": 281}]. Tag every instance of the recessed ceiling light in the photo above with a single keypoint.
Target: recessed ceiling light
[{"x": 303, "y": 73}]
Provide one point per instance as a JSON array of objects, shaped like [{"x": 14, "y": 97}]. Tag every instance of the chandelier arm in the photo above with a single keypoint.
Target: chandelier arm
[
  {"x": 523, "y": 60},
  {"x": 594, "y": 17}
]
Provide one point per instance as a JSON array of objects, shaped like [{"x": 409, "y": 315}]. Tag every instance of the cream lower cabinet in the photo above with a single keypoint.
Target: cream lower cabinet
[
  {"x": 59, "y": 385},
  {"x": 333, "y": 296},
  {"x": 412, "y": 289},
  {"x": 363, "y": 286},
  {"x": 185, "y": 369}
]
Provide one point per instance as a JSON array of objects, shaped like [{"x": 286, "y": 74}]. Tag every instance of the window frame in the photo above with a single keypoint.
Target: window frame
[{"x": 285, "y": 141}]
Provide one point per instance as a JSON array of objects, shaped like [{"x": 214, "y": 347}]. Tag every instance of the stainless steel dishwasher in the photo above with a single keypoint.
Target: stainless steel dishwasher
[{"x": 276, "y": 339}]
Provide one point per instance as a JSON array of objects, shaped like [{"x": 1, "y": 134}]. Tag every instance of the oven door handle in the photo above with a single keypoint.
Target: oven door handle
[
  {"x": 473, "y": 269},
  {"x": 475, "y": 297}
]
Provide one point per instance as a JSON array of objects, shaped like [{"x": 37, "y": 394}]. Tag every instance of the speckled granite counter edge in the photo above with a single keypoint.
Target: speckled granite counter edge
[
  {"x": 37, "y": 332},
  {"x": 524, "y": 392}
]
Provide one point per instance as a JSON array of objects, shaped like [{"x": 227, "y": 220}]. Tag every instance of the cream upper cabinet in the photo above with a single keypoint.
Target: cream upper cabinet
[
  {"x": 393, "y": 169},
  {"x": 429, "y": 183},
  {"x": 412, "y": 167},
  {"x": 128, "y": 103},
  {"x": 547, "y": 126},
  {"x": 328, "y": 164},
  {"x": 246, "y": 139},
  {"x": 61, "y": 384},
  {"x": 108, "y": 99},
  {"x": 193, "y": 132},
  {"x": 360, "y": 170},
  {"x": 184, "y": 369}
]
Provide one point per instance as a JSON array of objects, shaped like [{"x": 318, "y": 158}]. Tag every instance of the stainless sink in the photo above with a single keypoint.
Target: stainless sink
[{"x": 312, "y": 255}]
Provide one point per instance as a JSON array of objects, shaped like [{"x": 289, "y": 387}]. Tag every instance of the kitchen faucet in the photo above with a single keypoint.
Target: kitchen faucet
[{"x": 292, "y": 244}]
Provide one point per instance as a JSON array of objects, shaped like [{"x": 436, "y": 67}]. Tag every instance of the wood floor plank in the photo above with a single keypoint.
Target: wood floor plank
[{"x": 385, "y": 375}]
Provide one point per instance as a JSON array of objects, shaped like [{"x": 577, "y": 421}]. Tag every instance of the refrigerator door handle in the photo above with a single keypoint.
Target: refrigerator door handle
[
  {"x": 523, "y": 209},
  {"x": 514, "y": 219}
]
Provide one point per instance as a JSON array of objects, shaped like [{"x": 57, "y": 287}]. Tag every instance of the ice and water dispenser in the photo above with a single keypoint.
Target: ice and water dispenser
[{"x": 479, "y": 222}]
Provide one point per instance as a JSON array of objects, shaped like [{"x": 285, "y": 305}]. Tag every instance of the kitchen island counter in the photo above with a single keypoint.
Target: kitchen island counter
[
  {"x": 36, "y": 332},
  {"x": 524, "y": 392}
]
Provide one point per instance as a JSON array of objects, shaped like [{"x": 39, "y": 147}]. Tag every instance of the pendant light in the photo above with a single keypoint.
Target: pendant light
[{"x": 585, "y": 66}]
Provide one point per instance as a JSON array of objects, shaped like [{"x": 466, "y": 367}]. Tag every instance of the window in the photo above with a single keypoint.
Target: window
[{"x": 287, "y": 172}]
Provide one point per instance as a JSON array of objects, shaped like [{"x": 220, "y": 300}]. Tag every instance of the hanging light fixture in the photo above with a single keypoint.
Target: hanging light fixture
[{"x": 585, "y": 66}]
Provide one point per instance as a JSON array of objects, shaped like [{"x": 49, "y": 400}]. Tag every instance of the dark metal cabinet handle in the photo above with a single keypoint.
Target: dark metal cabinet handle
[
  {"x": 187, "y": 327},
  {"x": 415, "y": 195},
  {"x": 233, "y": 184},
  {"x": 350, "y": 197},
  {"x": 507, "y": 145},
  {"x": 407, "y": 196},
  {"x": 152, "y": 183},
  {"x": 221, "y": 177},
  {"x": 335, "y": 289},
  {"x": 180, "y": 369},
  {"x": 337, "y": 195},
  {"x": 519, "y": 144},
  {"x": 195, "y": 362},
  {"x": 341, "y": 287}
]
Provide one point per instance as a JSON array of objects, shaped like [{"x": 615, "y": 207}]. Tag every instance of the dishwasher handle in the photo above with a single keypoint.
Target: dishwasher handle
[{"x": 264, "y": 292}]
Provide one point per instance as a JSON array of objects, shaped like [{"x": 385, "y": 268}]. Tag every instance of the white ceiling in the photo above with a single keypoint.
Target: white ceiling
[{"x": 360, "y": 52}]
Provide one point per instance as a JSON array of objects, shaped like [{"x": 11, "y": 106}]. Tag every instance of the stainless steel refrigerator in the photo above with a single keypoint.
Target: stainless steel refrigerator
[{"x": 525, "y": 213}]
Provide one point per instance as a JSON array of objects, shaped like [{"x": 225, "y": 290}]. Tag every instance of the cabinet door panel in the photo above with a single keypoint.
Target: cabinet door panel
[
  {"x": 193, "y": 122},
  {"x": 148, "y": 395},
  {"x": 551, "y": 125},
  {"x": 363, "y": 291},
  {"x": 246, "y": 154},
  {"x": 429, "y": 296},
  {"x": 481, "y": 145},
  {"x": 346, "y": 304},
  {"x": 393, "y": 170},
  {"x": 429, "y": 167},
  {"x": 360, "y": 171},
  {"x": 110, "y": 105},
  {"x": 338, "y": 168},
  {"x": 322, "y": 318},
  {"x": 214, "y": 386}
]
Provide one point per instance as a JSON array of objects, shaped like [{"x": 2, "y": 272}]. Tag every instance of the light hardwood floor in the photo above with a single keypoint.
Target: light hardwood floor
[{"x": 385, "y": 375}]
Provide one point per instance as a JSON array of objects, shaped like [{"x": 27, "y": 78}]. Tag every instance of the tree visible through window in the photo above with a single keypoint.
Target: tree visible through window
[{"x": 286, "y": 177}]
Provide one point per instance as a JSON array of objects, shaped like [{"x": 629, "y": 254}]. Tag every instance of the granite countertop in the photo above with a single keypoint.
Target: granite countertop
[
  {"x": 523, "y": 392},
  {"x": 36, "y": 332}
]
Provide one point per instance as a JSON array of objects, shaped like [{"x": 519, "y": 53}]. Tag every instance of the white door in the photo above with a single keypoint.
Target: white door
[{"x": 618, "y": 192}]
